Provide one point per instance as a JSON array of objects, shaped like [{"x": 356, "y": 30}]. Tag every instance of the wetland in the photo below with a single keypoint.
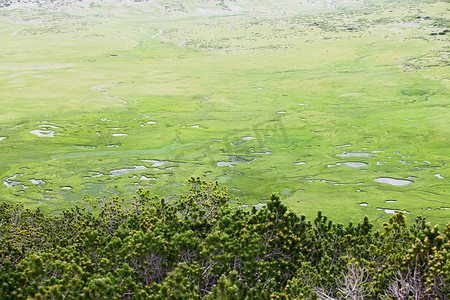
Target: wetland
[{"x": 339, "y": 108}]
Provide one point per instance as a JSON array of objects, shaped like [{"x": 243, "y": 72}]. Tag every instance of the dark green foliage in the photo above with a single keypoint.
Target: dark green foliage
[{"x": 197, "y": 246}]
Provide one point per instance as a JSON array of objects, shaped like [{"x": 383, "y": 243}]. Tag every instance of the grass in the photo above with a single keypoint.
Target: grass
[{"x": 304, "y": 86}]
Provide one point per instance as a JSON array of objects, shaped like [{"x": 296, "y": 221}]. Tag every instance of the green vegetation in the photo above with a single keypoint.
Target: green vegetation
[
  {"x": 198, "y": 246},
  {"x": 263, "y": 97}
]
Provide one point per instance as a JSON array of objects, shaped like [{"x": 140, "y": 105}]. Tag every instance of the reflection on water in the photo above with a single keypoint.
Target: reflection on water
[
  {"x": 158, "y": 163},
  {"x": 44, "y": 133},
  {"x": 119, "y": 172},
  {"x": 393, "y": 181},
  {"x": 354, "y": 154},
  {"x": 392, "y": 211},
  {"x": 236, "y": 159},
  {"x": 355, "y": 164},
  {"x": 37, "y": 181}
]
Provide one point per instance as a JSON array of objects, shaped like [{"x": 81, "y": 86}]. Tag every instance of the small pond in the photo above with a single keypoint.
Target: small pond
[
  {"x": 44, "y": 133},
  {"x": 236, "y": 159},
  {"x": 355, "y": 164},
  {"x": 158, "y": 163},
  {"x": 352, "y": 164},
  {"x": 393, "y": 181},
  {"x": 119, "y": 172},
  {"x": 36, "y": 181},
  {"x": 260, "y": 205},
  {"x": 354, "y": 154},
  {"x": 392, "y": 211}
]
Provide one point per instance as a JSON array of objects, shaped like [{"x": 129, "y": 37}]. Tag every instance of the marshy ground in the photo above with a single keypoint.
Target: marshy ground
[{"x": 342, "y": 110}]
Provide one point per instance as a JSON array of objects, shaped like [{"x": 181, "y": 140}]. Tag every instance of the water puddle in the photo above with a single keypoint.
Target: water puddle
[
  {"x": 346, "y": 145},
  {"x": 379, "y": 163},
  {"x": 152, "y": 122},
  {"x": 2, "y": 138},
  {"x": 37, "y": 181},
  {"x": 354, "y": 164},
  {"x": 248, "y": 138},
  {"x": 158, "y": 163},
  {"x": 119, "y": 172},
  {"x": 111, "y": 146},
  {"x": 143, "y": 177},
  {"x": 262, "y": 153},
  {"x": 96, "y": 174},
  {"x": 393, "y": 181},
  {"x": 44, "y": 133},
  {"x": 354, "y": 154},
  {"x": 49, "y": 126},
  {"x": 439, "y": 176},
  {"x": 10, "y": 183},
  {"x": 120, "y": 134},
  {"x": 281, "y": 112},
  {"x": 260, "y": 205},
  {"x": 15, "y": 176},
  {"x": 392, "y": 211},
  {"x": 66, "y": 187},
  {"x": 411, "y": 177},
  {"x": 237, "y": 143},
  {"x": 391, "y": 201},
  {"x": 163, "y": 169},
  {"x": 236, "y": 159},
  {"x": 363, "y": 204}
]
